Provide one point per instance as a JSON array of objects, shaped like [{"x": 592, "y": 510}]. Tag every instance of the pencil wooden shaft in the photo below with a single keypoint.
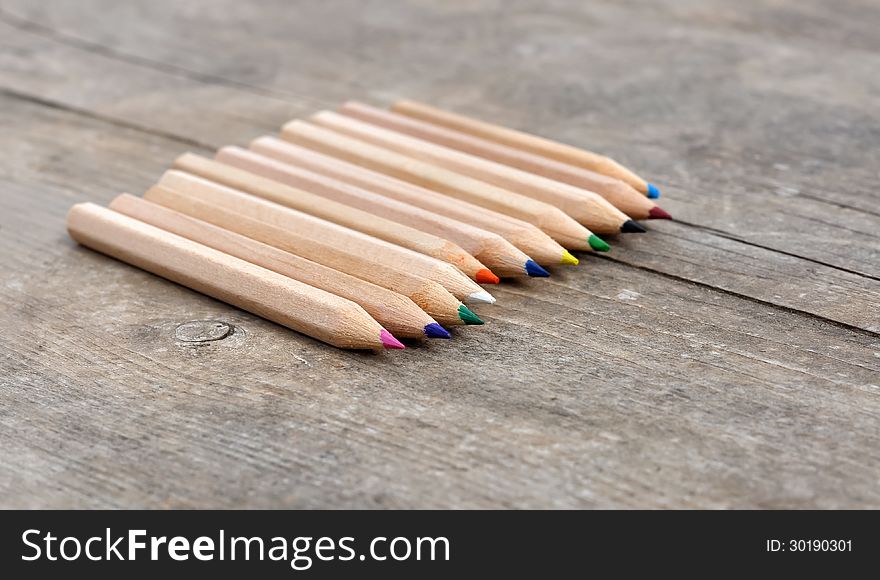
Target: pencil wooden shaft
[
  {"x": 430, "y": 296},
  {"x": 587, "y": 207},
  {"x": 395, "y": 312},
  {"x": 494, "y": 251},
  {"x": 399, "y": 257},
  {"x": 552, "y": 220},
  {"x": 525, "y": 236},
  {"x": 341, "y": 214},
  {"x": 521, "y": 140},
  {"x": 313, "y": 312},
  {"x": 315, "y": 228},
  {"x": 621, "y": 195}
]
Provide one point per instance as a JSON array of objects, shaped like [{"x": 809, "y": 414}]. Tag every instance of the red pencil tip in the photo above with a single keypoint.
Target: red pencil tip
[
  {"x": 657, "y": 213},
  {"x": 485, "y": 276},
  {"x": 388, "y": 341}
]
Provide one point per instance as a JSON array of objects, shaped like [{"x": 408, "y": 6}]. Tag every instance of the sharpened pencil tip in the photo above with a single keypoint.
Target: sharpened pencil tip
[
  {"x": 631, "y": 227},
  {"x": 568, "y": 259},
  {"x": 486, "y": 276},
  {"x": 598, "y": 243},
  {"x": 467, "y": 316},
  {"x": 653, "y": 191},
  {"x": 388, "y": 341},
  {"x": 657, "y": 213},
  {"x": 533, "y": 269},
  {"x": 434, "y": 330},
  {"x": 481, "y": 297}
]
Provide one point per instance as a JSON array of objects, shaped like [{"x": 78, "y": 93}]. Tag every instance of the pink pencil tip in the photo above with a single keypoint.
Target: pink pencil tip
[{"x": 388, "y": 341}]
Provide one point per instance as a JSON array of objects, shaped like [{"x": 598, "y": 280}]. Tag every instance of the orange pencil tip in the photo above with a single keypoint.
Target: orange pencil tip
[{"x": 485, "y": 276}]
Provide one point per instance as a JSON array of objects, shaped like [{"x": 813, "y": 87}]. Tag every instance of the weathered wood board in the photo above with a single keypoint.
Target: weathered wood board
[{"x": 729, "y": 359}]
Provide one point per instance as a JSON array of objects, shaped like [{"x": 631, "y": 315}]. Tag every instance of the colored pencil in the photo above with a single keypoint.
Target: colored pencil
[
  {"x": 310, "y": 226},
  {"x": 491, "y": 249},
  {"x": 430, "y": 296},
  {"x": 316, "y": 313},
  {"x": 338, "y": 213},
  {"x": 552, "y": 220},
  {"x": 405, "y": 135},
  {"x": 527, "y": 142},
  {"x": 620, "y": 194},
  {"x": 397, "y": 313},
  {"x": 523, "y": 235}
]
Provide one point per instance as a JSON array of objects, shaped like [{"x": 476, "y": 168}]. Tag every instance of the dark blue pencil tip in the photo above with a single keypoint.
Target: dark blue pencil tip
[
  {"x": 434, "y": 330},
  {"x": 653, "y": 191},
  {"x": 533, "y": 269}
]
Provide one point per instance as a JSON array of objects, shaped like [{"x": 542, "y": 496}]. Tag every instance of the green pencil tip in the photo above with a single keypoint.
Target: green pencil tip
[
  {"x": 598, "y": 243},
  {"x": 467, "y": 316}
]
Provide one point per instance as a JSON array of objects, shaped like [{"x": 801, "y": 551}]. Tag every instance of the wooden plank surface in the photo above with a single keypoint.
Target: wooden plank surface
[{"x": 731, "y": 358}]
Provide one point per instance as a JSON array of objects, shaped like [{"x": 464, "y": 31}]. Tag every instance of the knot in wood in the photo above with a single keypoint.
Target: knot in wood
[{"x": 202, "y": 331}]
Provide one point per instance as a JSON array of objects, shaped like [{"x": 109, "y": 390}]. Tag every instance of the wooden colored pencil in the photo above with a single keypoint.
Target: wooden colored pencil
[
  {"x": 339, "y": 213},
  {"x": 620, "y": 194},
  {"x": 491, "y": 249},
  {"x": 430, "y": 296},
  {"x": 308, "y": 310},
  {"x": 525, "y": 236},
  {"x": 310, "y": 226},
  {"x": 552, "y": 220},
  {"x": 588, "y": 208},
  {"x": 397, "y": 313},
  {"x": 527, "y": 142}
]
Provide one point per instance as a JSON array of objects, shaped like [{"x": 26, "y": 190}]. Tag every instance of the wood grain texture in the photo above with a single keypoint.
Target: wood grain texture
[{"x": 730, "y": 359}]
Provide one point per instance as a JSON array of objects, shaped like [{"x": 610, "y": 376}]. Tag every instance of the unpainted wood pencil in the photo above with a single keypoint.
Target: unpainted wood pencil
[
  {"x": 339, "y": 213},
  {"x": 313, "y": 312},
  {"x": 491, "y": 249},
  {"x": 527, "y": 142},
  {"x": 525, "y": 236},
  {"x": 590, "y": 209},
  {"x": 397, "y": 313},
  {"x": 430, "y": 296},
  {"x": 556, "y": 223},
  {"x": 313, "y": 227},
  {"x": 620, "y": 194}
]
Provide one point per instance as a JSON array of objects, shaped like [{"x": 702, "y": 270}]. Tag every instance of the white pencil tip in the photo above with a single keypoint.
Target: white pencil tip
[{"x": 481, "y": 297}]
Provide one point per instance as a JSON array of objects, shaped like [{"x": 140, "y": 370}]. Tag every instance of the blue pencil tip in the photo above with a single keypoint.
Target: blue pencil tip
[
  {"x": 434, "y": 330},
  {"x": 653, "y": 191},
  {"x": 533, "y": 269}
]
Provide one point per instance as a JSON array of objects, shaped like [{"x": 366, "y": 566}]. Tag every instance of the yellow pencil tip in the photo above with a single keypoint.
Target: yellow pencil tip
[{"x": 568, "y": 259}]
